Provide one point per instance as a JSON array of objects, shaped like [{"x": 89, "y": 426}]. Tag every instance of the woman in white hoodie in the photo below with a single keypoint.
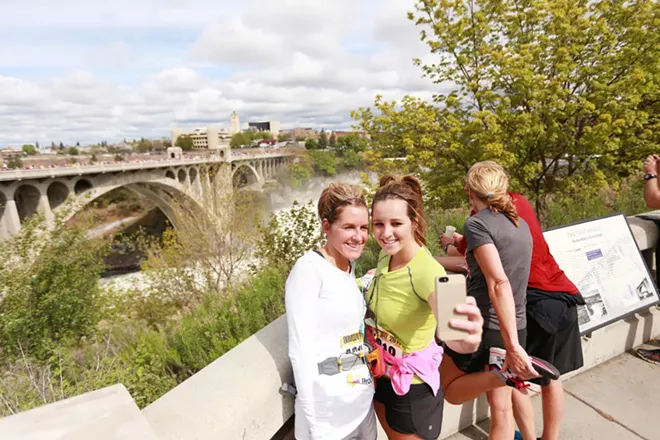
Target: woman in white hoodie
[{"x": 325, "y": 317}]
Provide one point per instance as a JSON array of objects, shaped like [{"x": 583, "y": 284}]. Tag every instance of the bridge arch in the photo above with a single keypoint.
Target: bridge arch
[
  {"x": 193, "y": 174},
  {"x": 170, "y": 191},
  {"x": 169, "y": 174},
  {"x": 181, "y": 175},
  {"x": 245, "y": 175},
  {"x": 82, "y": 186},
  {"x": 27, "y": 200},
  {"x": 57, "y": 194}
]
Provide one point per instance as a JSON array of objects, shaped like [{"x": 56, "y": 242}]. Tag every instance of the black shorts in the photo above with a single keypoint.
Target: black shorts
[
  {"x": 417, "y": 412},
  {"x": 477, "y": 361},
  {"x": 562, "y": 349}
]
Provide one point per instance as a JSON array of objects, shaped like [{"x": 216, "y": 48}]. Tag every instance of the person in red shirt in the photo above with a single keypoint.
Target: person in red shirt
[{"x": 553, "y": 332}]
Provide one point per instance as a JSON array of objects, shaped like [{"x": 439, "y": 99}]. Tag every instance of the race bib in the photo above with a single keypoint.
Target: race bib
[
  {"x": 387, "y": 340},
  {"x": 353, "y": 343}
]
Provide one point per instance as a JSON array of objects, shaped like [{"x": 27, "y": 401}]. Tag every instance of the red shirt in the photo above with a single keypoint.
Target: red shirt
[{"x": 545, "y": 273}]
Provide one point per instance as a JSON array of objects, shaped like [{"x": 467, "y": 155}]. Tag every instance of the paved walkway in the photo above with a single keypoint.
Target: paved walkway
[{"x": 617, "y": 400}]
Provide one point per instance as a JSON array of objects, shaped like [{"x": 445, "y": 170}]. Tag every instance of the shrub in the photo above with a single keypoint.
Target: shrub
[{"x": 50, "y": 293}]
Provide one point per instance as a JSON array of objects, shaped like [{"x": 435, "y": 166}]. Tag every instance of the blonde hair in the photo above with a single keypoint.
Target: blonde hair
[
  {"x": 489, "y": 182},
  {"x": 337, "y": 196},
  {"x": 409, "y": 189}
]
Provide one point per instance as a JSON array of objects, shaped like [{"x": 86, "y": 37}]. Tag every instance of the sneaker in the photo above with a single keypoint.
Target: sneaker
[
  {"x": 495, "y": 363},
  {"x": 652, "y": 356},
  {"x": 543, "y": 368}
]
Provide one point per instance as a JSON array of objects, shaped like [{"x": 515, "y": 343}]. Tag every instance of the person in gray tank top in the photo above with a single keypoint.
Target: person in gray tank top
[{"x": 498, "y": 258}]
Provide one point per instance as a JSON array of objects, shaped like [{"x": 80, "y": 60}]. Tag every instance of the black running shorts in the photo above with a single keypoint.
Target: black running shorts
[
  {"x": 417, "y": 412},
  {"x": 562, "y": 349},
  {"x": 477, "y": 361}
]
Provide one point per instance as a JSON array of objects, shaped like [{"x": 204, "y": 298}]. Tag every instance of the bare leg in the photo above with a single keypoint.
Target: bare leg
[
  {"x": 523, "y": 411},
  {"x": 501, "y": 414},
  {"x": 460, "y": 387},
  {"x": 553, "y": 409},
  {"x": 391, "y": 433}
]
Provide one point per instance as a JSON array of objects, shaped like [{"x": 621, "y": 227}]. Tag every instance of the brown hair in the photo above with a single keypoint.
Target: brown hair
[
  {"x": 337, "y": 196},
  {"x": 490, "y": 183},
  {"x": 409, "y": 189}
]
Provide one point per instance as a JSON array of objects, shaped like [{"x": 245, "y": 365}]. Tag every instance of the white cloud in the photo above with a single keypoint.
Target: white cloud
[{"x": 89, "y": 72}]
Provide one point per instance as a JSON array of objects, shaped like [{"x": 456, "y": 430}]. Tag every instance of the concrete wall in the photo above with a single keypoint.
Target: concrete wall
[
  {"x": 235, "y": 397},
  {"x": 106, "y": 414}
]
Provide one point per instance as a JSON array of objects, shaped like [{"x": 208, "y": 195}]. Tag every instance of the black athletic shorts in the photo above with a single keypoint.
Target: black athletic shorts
[
  {"x": 477, "y": 361},
  {"x": 417, "y": 412},
  {"x": 562, "y": 349}
]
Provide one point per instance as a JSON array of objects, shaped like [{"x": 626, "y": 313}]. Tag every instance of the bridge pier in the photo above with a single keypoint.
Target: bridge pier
[
  {"x": 10, "y": 222},
  {"x": 44, "y": 207}
]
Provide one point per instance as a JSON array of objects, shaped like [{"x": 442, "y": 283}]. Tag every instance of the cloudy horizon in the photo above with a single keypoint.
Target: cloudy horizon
[{"x": 87, "y": 72}]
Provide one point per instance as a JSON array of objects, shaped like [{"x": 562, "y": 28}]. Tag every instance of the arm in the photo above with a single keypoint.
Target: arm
[
  {"x": 651, "y": 186},
  {"x": 501, "y": 296},
  {"x": 302, "y": 290},
  {"x": 452, "y": 264},
  {"x": 499, "y": 292}
]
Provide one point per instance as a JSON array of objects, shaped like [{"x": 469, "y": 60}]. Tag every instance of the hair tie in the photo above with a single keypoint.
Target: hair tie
[{"x": 489, "y": 195}]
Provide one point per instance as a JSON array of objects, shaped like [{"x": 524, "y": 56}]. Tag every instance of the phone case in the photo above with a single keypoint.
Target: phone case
[{"x": 450, "y": 291}]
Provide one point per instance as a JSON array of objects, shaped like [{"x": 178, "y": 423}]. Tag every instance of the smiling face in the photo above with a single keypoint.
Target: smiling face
[
  {"x": 392, "y": 228},
  {"x": 348, "y": 234}
]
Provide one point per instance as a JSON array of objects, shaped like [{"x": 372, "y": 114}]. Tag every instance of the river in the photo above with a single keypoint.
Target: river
[{"x": 279, "y": 200}]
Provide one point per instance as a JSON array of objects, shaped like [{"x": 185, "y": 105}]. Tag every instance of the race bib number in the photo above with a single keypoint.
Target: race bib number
[
  {"x": 387, "y": 340},
  {"x": 353, "y": 343}
]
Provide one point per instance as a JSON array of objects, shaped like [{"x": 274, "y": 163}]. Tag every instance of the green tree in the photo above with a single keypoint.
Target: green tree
[
  {"x": 352, "y": 159},
  {"x": 36, "y": 145},
  {"x": 239, "y": 140},
  {"x": 29, "y": 149},
  {"x": 333, "y": 140},
  {"x": 266, "y": 135},
  {"x": 61, "y": 146},
  {"x": 73, "y": 151},
  {"x": 184, "y": 142},
  {"x": 14, "y": 162},
  {"x": 325, "y": 162},
  {"x": 77, "y": 144},
  {"x": 351, "y": 142},
  {"x": 323, "y": 140},
  {"x": 144, "y": 145},
  {"x": 311, "y": 144},
  {"x": 49, "y": 278},
  {"x": 283, "y": 137},
  {"x": 550, "y": 89}
]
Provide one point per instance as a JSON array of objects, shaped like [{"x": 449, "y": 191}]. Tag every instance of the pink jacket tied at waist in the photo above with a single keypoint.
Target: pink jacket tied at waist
[{"x": 424, "y": 363}]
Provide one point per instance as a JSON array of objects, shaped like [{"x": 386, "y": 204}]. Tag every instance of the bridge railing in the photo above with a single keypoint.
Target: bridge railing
[{"x": 76, "y": 170}]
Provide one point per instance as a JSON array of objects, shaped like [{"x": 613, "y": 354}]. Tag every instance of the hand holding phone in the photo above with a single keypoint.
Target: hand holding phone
[{"x": 450, "y": 291}]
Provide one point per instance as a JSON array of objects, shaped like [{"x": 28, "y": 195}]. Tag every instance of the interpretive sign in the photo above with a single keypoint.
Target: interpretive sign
[{"x": 601, "y": 258}]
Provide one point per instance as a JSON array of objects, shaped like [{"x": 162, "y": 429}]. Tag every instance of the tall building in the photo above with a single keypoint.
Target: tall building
[
  {"x": 235, "y": 124},
  {"x": 272, "y": 126}
]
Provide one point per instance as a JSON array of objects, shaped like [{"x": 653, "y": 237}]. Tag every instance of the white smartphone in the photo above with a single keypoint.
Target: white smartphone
[{"x": 450, "y": 291}]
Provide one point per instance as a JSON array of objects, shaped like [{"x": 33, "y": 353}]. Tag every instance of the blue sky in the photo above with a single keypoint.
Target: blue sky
[{"x": 76, "y": 71}]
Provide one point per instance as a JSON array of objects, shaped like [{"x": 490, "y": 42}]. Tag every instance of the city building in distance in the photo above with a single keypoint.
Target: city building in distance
[
  {"x": 213, "y": 138},
  {"x": 272, "y": 126}
]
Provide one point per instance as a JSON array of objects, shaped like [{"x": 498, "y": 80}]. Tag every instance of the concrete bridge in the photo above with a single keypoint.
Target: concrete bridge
[{"x": 24, "y": 193}]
